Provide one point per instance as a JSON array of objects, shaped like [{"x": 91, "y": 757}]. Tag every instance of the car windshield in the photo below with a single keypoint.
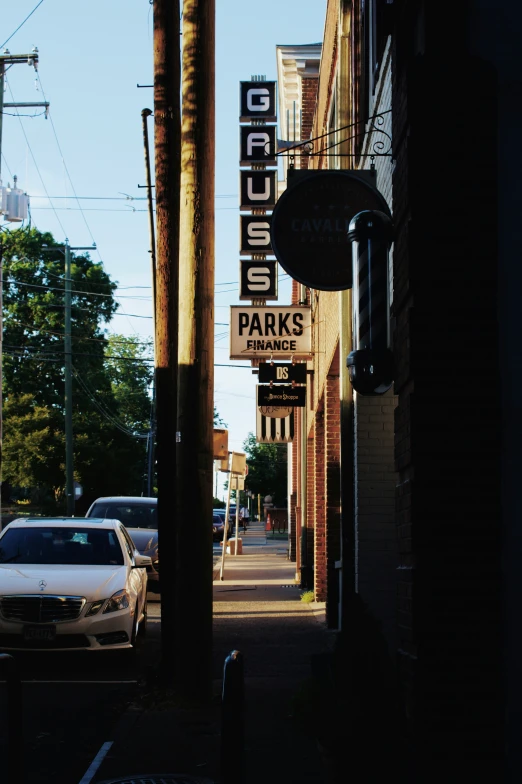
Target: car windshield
[
  {"x": 71, "y": 546},
  {"x": 131, "y": 515}
]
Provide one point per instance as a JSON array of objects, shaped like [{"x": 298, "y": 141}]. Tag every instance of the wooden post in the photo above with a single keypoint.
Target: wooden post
[
  {"x": 196, "y": 351},
  {"x": 167, "y": 134}
]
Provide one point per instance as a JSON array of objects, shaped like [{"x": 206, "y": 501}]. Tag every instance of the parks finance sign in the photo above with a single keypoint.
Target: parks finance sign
[{"x": 264, "y": 332}]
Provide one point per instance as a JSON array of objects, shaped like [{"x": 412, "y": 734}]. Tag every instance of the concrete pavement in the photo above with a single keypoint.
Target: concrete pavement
[{"x": 257, "y": 610}]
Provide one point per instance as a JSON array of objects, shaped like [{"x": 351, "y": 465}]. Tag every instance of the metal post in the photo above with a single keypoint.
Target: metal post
[
  {"x": 69, "y": 458},
  {"x": 221, "y": 571},
  {"x": 238, "y": 493},
  {"x": 233, "y": 720}
]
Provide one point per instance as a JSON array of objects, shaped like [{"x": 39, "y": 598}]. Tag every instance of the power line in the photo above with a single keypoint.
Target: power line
[
  {"x": 35, "y": 164},
  {"x": 74, "y": 291},
  {"x": 122, "y": 198},
  {"x": 63, "y": 161},
  {"x": 101, "y": 408},
  {"x": 22, "y": 24}
]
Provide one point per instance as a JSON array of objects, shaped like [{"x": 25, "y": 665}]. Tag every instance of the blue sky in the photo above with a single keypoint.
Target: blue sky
[{"x": 92, "y": 56}]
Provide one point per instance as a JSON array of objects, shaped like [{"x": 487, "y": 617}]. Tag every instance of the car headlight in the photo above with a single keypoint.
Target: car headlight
[
  {"x": 95, "y": 607},
  {"x": 118, "y": 601}
]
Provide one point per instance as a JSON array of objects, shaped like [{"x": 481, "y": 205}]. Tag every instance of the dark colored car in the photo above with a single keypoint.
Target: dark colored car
[
  {"x": 218, "y": 527},
  {"x": 140, "y": 517}
]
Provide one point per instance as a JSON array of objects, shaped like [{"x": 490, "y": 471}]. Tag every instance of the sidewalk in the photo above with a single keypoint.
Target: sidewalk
[{"x": 257, "y": 610}]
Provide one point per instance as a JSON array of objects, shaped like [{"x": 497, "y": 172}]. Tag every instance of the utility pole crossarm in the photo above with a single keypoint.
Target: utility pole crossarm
[{"x": 26, "y": 105}]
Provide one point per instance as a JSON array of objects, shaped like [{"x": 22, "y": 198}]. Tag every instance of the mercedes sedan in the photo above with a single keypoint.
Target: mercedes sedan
[{"x": 70, "y": 584}]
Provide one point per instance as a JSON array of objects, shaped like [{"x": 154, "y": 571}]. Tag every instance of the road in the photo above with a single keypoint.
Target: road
[{"x": 72, "y": 703}]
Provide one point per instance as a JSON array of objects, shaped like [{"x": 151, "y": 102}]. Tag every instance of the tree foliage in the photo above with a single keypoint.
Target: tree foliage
[
  {"x": 267, "y": 469},
  {"x": 110, "y": 378}
]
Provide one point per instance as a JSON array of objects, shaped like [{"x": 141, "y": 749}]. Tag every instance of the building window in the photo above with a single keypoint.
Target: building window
[{"x": 378, "y": 21}]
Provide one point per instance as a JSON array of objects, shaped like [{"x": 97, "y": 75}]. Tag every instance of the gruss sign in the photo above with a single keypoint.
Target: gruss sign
[
  {"x": 279, "y": 332},
  {"x": 310, "y": 227}
]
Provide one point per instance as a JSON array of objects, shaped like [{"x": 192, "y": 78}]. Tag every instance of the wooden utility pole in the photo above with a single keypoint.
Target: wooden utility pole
[
  {"x": 196, "y": 350},
  {"x": 167, "y": 134}
]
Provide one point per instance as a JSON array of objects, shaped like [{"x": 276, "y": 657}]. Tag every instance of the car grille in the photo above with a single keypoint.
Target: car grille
[{"x": 41, "y": 609}]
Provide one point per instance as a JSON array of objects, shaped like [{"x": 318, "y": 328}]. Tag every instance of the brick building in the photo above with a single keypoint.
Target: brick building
[{"x": 405, "y": 508}]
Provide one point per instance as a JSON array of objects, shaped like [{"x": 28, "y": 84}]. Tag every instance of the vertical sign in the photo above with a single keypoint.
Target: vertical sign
[{"x": 258, "y": 187}]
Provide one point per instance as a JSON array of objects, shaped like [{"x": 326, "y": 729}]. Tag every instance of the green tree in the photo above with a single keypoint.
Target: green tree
[
  {"x": 107, "y": 457},
  {"x": 218, "y": 420},
  {"x": 267, "y": 469},
  {"x": 129, "y": 365}
]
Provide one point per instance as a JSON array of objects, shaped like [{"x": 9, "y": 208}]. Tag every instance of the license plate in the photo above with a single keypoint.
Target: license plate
[{"x": 39, "y": 633}]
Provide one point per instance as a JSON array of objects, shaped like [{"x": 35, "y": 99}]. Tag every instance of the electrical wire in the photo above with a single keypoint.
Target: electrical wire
[
  {"x": 108, "y": 416},
  {"x": 74, "y": 291},
  {"x": 22, "y": 24},
  {"x": 7, "y": 165},
  {"x": 63, "y": 161},
  {"x": 35, "y": 164}
]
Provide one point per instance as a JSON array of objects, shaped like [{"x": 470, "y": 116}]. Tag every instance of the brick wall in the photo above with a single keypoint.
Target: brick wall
[
  {"x": 310, "y": 495},
  {"x": 308, "y": 98},
  {"x": 333, "y": 494}
]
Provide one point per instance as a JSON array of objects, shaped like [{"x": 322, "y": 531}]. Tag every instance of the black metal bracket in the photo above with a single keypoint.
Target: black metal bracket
[{"x": 381, "y": 147}]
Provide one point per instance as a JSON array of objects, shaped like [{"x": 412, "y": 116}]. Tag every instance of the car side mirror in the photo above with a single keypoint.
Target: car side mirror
[{"x": 141, "y": 561}]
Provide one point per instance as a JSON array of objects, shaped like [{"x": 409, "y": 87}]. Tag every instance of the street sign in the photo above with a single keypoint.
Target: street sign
[
  {"x": 238, "y": 463},
  {"x": 257, "y": 279},
  {"x": 282, "y": 372},
  {"x": 237, "y": 482},
  {"x": 281, "y": 396},
  {"x": 265, "y": 332},
  {"x": 220, "y": 443}
]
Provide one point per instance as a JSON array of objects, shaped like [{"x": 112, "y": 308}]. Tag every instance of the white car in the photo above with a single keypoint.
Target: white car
[{"x": 70, "y": 584}]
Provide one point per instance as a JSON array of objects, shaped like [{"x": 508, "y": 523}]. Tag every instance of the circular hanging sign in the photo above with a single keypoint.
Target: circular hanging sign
[
  {"x": 310, "y": 222},
  {"x": 276, "y": 412}
]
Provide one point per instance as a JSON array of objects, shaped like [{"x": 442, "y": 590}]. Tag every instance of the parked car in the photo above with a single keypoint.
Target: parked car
[
  {"x": 218, "y": 527},
  {"x": 231, "y": 522},
  {"x": 140, "y": 517},
  {"x": 69, "y": 584}
]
